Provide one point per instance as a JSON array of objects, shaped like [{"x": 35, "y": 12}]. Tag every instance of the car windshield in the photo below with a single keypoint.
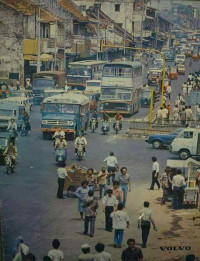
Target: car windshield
[
  {"x": 61, "y": 108},
  {"x": 116, "y": 94},
  {"x": 43, "y": 83}
]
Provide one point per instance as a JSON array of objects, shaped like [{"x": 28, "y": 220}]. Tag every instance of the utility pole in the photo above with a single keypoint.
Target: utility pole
[
  {"x": 55, "y": 53},
  {"x": 38, "y": 39},
  {"x": 98, "y": 31},
  {"x": 141, "y": 36},
  {"x": 125, "y": 28}
]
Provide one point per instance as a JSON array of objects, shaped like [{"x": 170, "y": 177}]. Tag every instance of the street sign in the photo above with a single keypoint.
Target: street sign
[{"x": 34, "y": 63}]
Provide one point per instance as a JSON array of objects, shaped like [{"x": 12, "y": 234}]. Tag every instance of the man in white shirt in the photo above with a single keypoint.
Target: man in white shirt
[
  {"x": 102, "y": 255},
  {"x": 59, "y": 133},
  {"x": 86, "y": 256},
  {"x": 169, "y": 90},
  {"x": 165, "y": 113},
  {"x": 188, "y": 111},
  {"x": 109, "y": 204},
  {"x": 61, "y": 143},
  {"x": 159, "y": 115},
  {"x": 112, "y": 164},
  {"x": 21, "y": 249},
  {"x": 178, "y": 184},
  {"x": 155, "y": 173},
  {"x": 176, "y": 114},
  {"x": 55, "y": 254},
  {"x": 62, "y": 175},
  {"x": 80, "y": 141},
  {"x": 120, "y": 222}
]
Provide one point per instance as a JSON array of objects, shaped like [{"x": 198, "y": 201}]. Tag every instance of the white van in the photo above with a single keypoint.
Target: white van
[
  {"x": 180, "y": 59},
  {"x": 187, "y": 143}
]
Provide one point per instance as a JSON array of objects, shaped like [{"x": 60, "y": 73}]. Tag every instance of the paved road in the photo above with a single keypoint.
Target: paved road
[{"x": 30, "y": 207}]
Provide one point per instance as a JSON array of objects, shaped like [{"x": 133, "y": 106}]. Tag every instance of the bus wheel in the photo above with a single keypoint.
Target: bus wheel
[{"x": 44, "y": 135}]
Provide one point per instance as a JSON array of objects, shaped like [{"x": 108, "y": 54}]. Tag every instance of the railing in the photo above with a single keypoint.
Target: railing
[{"x": 160, "y": 127}]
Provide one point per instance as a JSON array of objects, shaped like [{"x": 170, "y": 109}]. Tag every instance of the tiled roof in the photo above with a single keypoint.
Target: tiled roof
[
  {"x": 27, "y": 7},
  {"x": 73, "y": 9}
]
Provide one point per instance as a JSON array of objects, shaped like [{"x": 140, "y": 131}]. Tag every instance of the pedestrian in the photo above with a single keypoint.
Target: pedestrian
[
  {"x": 21, "y": 250},
  {"x": 169, "y": 110},
  {"x": 176, "y": 115},
  {"x": 144, "y": 221},
  {"x": 46, "y": 258},
  {"x": 102, "y": 181},
  {"x": 183, "y": 117},
  {"x": 17, "y": 86},
  {"x": 102, "y": 255},
  {"x": 168, "y": 91},
  {"x": 125, "y": 183},
  {"x": 55, "y": 254},
  {"x": 120, "y": 222},
  {"x": 164, "y": 114},
  {"x": 81, "y": 194},
  {"x": 159, "y": 115},
  {"x": 117, "y": 191},
  {"x": 178, "y": 184},
  {"x": 155, "y": 173},
  {"x": 86, "y": 256},
  {"x": 62, "y": 175},
  {"x": 198, "y": 113},
  {"x": 30, "y": 257},
  {"x": 112, "y": 164},
  {"x": 91, "y": 206},
  {"x": 109, "y": 204},
  {"x": 189, "y": 113},
  {"x": 132, "y": 253},
  {"x": 91, "y": 179},
  {"x": 190, "y": 258},
  {"x": 165, "y": 183}
]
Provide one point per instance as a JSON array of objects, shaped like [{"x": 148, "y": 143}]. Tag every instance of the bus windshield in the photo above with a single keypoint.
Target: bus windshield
[
  {"x": 79, "y": 72},
  {"x": 44, "y": 83},
  {"x": 116, "y": 94},
  {"x": 117, "y": 71},
  {"x": 61, "y": 108},
  {"x": 7, "y": 112}
]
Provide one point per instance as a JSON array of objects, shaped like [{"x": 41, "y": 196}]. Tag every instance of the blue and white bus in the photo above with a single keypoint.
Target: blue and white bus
[{"x": 121, "y": 87}]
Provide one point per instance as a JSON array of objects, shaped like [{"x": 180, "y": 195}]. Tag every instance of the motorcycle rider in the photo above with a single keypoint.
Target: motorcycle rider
[
  {"x": 12, "y": 128},
  {"x": 61, "y": 143},
  {"x": 105, "y": 116},
  {"x": 26, "y": 120},
  {"x": 94, "y": 116},
  {"x": 59, "y": 133},
  {"x": 12, "y": 151},
  {"x": 118, "y": 118},
  {"x": 80, "y": 140}
]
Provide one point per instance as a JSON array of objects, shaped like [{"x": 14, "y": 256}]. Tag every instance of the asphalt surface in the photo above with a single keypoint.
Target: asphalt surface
[{"x": 29, "y": 204}]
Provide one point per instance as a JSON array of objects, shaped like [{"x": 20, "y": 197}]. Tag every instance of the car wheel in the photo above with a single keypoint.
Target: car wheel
[
  {"x": 184, "y": 154},
  {"x": 157, "y": 144}
]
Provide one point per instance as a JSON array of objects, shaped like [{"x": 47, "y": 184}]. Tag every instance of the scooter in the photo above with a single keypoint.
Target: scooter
[
  {"x": 60, "y": 155},
  {"x": 80, "y": 153},
  {"x": 117, "y": 127},
  {"x": 9, "y": 164},
  {"x": 13, "y": 135},
  {"x": 105, "y": 128},
  {"x": 93, "y": 124},
  {"x": 25, "y": 129}
]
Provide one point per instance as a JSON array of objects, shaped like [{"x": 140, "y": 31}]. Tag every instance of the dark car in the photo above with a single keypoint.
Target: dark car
[
  {"x": 146, "y": 98},
  {"x": 163, "y": 140}
]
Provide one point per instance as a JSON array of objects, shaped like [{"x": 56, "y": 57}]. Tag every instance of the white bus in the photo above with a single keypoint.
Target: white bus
[
  {"x": 121, "y": 87},
  {"x": 82, "y": 71}
]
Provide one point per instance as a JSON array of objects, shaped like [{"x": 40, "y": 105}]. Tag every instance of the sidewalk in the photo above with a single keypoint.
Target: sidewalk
[{"x": 176, "y": 229}]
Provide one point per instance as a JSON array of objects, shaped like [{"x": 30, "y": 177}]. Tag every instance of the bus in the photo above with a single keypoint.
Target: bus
[
  {"x": 82, "y": 71},
  {"x": 67, "y": 110},
  {"x": 47, "y": 80},
  {"x": 121, "y": 87},
  {"x": 168, "y": 53}
]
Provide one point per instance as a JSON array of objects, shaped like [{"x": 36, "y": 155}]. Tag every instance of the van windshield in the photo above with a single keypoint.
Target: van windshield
[
  {"x": 61, "y": 108},
  {"x": 44, "y": 83}
]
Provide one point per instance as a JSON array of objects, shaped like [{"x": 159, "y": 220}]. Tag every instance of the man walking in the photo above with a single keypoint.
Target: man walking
[
  {"x": 132, "y": 253},
  {"x": 109, "y": 204},
  {"x": 125, "y": 183},
  {"x": 155, "y": 173},
  {"x": 102, "y": 255},
  {"x": 144, "y": 221},
  {"x": 165, "y": 182},
  {"x": 178, "y": 183},
  {"x": 112, "y": 165},
  {"x": 120, "y": 222},
  {"x": 102, "y": 181},
  {"x": 62, "y": 174},
  {"x": 168, "y": 91}
]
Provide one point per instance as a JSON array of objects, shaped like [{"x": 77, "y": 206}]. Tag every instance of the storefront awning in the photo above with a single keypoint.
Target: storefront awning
[{"x": 43, "y": 57}]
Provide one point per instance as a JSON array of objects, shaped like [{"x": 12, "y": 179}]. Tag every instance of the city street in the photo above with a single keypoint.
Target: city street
[{"x": 29, "y": 204}]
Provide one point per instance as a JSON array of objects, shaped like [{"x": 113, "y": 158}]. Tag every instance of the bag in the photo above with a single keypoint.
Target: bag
[{"x": 145, "y": 223}]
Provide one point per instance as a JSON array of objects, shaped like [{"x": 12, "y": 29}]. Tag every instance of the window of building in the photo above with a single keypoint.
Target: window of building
[
  {"x": 45, "y": 30},
  {"x": 76, "y": 28},
  {"x": 117, "y": 7}
]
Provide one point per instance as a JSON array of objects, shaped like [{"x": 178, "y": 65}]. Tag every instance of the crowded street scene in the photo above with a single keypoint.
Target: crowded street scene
[{"x": 99, "y": 130}]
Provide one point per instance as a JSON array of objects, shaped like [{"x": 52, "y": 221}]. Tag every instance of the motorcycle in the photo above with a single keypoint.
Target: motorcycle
[
  {"x": 9, "y": 164},
  {"x": 60, "y": 155},
  {"x": 80, "y": 153},
  {"x": 105, "y": 128},
  {"x": 117, "y": 127},
  {"x": 93, "y": 124},
  {"x": 25, "y": 129},
  {"x": 13, "y": 135}
]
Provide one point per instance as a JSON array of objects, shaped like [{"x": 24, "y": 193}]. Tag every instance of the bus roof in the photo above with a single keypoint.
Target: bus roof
[
  {"x": 87, "y": 62},
  {"x": 8, "y": 106},
  {"x": 17, "y": 99},
  {"x": 132, "y": 64},
  {"x": 48, "y": 73},
  {"x": 70, "y": 98}
]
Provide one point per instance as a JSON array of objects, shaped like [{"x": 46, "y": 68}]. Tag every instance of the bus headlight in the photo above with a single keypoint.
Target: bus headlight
[
  {"x": 70, "y": 123},
  {"x": 101, "y": 107},
  {"x": 44, "y": 122}
]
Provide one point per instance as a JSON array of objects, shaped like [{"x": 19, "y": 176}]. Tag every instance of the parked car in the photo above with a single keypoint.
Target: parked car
[{"x": 159, "y": 141}]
